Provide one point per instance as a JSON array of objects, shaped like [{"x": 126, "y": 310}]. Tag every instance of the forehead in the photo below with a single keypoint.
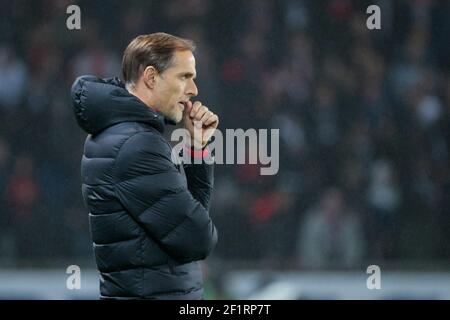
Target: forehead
[{"x": 183, "y": 61}]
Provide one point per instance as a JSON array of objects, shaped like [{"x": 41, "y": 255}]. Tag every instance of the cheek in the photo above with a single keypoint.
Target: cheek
[
  {"x": 177, "y": 92},
  {"x": 171, "y": 92}
]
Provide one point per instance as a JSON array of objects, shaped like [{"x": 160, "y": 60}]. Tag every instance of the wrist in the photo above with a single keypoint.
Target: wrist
[
  {"x": 194, "y": 145},
  {"x": 196, "y": 152}
]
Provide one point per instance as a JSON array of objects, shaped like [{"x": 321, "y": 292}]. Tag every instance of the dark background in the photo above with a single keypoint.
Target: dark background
[{"x": 364, "y": 119}]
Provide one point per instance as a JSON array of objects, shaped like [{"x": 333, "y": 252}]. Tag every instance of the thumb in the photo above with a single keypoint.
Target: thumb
[{"x": 188, "y": 107}]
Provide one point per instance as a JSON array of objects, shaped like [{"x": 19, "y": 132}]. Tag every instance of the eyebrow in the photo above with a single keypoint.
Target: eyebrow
[{"x": 188, "y": 74}]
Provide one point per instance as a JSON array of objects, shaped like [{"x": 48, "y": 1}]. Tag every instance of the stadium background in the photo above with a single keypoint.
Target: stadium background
[{"x": 364, "y": 118}]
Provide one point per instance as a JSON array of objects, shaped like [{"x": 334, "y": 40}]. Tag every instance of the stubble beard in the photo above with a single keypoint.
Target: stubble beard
[{"x": 176, "y": 115}]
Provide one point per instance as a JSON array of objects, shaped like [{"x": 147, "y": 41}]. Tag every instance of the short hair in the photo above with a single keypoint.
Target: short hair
[{"x": 155, "y": 49}]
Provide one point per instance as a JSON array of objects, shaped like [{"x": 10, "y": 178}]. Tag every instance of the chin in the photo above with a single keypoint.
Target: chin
[
  {"x": 177, "y": 117},
  {"x": 173, "y": 116}
]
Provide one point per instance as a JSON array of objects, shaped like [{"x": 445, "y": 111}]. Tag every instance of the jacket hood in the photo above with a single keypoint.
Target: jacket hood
[{"x": 100, "y": 103}]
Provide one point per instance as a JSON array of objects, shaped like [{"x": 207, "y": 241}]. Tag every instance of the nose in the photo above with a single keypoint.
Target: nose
[{"x": 191, "y": 89}]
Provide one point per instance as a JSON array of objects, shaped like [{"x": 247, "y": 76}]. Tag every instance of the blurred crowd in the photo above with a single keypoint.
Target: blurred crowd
[{"x": 364, "y": 119}]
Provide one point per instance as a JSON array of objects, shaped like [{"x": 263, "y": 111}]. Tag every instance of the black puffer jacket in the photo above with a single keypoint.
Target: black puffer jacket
[{"x": 149, "y": 223}]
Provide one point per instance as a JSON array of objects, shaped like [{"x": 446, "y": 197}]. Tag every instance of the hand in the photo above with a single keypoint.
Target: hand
[{"x": 200, "y": 122}]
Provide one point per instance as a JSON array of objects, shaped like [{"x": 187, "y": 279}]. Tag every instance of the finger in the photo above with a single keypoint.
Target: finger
[
  {"x": 214, "y": 119},
  {"x": 208, "y": 114},
  {"x": 188, "y": 107},
  {"x": 187, "y": 110},
  {"x": 205, "y": 116},
  {"x": 195, "y": 107},
  {"x": 201, "y": 113}
]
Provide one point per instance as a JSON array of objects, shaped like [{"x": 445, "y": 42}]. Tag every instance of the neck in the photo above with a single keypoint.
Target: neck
[{"x": 138, "y": 92}]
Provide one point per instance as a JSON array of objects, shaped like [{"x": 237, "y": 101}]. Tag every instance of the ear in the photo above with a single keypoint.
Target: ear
[{"x": 149, "y": 76}]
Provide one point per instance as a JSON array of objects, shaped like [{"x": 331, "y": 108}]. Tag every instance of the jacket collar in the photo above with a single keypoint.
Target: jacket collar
[{"x": 100, "y": 103}]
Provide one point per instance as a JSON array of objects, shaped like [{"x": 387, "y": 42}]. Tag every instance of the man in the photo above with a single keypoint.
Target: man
[{"x": 150, "y": 225}]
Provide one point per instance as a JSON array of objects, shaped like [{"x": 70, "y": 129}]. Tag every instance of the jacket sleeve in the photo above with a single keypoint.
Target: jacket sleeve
[
  {"x": 200, "y": 180},
  {"x": 155, "y": 193}
]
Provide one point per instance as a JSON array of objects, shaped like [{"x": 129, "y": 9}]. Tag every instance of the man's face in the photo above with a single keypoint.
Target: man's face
[{"x": 175, "y": 86}]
